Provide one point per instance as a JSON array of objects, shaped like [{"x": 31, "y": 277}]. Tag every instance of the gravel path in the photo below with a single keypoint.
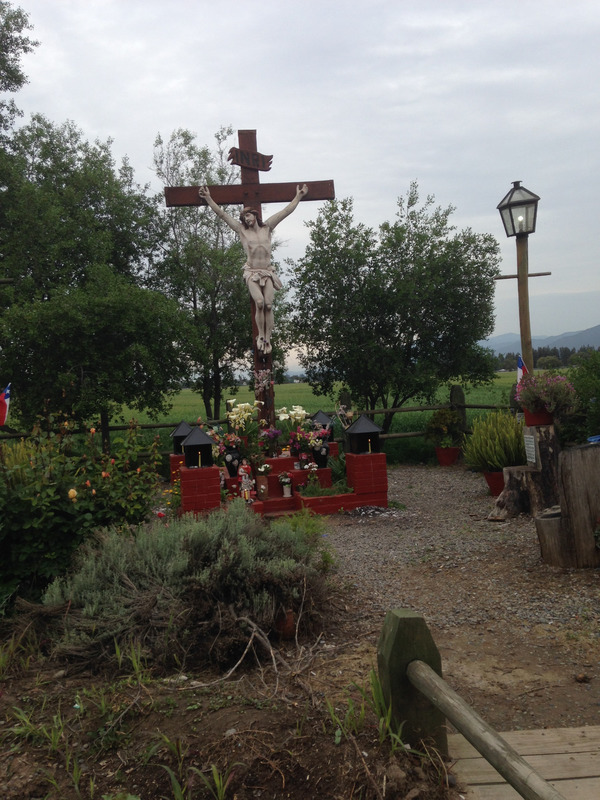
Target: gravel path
[{"x": 507, "y": 625}]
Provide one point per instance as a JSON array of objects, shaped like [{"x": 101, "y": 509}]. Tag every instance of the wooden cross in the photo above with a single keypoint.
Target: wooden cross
[{"x": 251, "y": 192}]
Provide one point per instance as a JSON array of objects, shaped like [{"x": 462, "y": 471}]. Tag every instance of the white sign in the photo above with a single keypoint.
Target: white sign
[{"x": 530, "y": 449}]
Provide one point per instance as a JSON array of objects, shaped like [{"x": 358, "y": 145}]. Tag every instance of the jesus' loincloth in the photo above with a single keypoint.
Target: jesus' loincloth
[{"x": 261, "y": 275}]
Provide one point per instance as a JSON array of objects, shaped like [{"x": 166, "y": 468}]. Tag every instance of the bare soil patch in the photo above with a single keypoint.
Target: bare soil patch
[{"x": 520, "y": 641}]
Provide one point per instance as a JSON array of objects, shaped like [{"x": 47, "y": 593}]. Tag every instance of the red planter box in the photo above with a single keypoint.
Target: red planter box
[
  {"x": 200, "y": 488},
  {"x": 367, "y": 473},
  {"x": 535, "y": 418}
]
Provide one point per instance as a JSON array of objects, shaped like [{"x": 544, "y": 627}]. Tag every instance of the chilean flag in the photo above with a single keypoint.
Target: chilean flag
[
  {"x": 521, "y": 369},
  {"x": 4, "y": 404}
]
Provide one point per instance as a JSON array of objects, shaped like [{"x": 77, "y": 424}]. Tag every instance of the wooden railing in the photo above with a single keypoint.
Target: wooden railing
[
  {"x": 403, "y": 410},
  {"x": 410, "y": 674}
]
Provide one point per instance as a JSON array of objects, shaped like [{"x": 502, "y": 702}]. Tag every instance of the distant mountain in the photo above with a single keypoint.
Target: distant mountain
[{"x": 511, "y": 342}]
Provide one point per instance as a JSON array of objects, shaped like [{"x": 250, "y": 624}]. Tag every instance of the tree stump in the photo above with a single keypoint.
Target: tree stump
[
  {"x": 531, "y": 488},
  {"x": 570, "y": 540}
]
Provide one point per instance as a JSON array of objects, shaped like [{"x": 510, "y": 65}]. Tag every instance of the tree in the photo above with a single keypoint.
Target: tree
[
  {"x": 67, "y": 208},
  {"x": 394, "y": 316},
  {"x": 202, "y": 266},
  {"x": 13, "y": 44},
  {"x": 76, "y": 235},
  {"x": 548, "y": 362},
  {"x": 87, "y": 350}
]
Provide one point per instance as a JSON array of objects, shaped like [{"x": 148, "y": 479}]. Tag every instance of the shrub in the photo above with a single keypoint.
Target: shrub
[
  {"x": 52, "y": 497},
  {"x": 585, "y": 377},
  {"x": 496, "y": 442},
  {"x": 546, "y": 392},
  {"x": 190, "y": 590},
  {"x": 444, "y": 428}
]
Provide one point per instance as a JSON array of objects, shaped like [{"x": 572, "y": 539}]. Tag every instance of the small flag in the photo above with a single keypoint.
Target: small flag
[
  {"x": 521, "y": 369},
  {"x": 4, "y": 404}
]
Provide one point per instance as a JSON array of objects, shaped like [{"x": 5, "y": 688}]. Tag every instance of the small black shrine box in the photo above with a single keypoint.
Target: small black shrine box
[
  {"x": 197, "y": 448},
  {"x": 179, "y": 434},
  {"x": 363, "y": 436},
  {"x": 321, "y": 420}
]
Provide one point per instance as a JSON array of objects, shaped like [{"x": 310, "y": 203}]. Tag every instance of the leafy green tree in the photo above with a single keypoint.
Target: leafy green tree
[
  {"x": 548, "y": 362},
  {"x": 14, "y": 42},
  {"x": 66, "y": 208},
  {"x": 394, "y": 316},
  {"x": 202, "y": 266},
  {"x": 87, "y": 350}
]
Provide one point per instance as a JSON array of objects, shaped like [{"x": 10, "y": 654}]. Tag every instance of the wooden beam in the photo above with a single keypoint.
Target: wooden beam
[
  {"x": 521, "y": 775},
  {"x": 247, "y": 194},
  {"x": 529, "y": 275}
]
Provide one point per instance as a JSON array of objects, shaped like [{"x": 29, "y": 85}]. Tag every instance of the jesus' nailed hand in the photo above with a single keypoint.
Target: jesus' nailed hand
[{"x": 261, "y": 279}]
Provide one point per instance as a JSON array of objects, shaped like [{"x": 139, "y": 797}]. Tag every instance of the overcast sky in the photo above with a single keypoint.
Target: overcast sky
[{"x": 464, "y": 96}]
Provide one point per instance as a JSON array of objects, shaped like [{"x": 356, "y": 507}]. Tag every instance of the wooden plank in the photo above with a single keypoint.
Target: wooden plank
[
  {"x": 546, "y": 740},
  {"x": 551, "y": 766},
  {"x": 511, "y": 765},
  {"x": 246, "y": 194},
  {"x": 568, "y": 758},
  {"x": 580, "y": 789}
]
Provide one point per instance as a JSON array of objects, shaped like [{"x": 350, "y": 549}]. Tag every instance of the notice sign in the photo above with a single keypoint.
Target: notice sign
[{"x": 530, "y": 449}]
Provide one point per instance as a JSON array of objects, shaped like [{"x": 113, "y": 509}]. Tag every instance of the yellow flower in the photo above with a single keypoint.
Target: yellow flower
[{"x": 73, "y": 494}]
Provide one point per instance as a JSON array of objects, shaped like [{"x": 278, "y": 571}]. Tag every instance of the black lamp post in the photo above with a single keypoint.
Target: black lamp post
[{"x": 518, "y": 210}]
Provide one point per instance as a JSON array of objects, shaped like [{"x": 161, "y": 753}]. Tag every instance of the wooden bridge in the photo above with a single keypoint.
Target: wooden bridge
[
  {"x": 550, "y": 764},
  {"x": 568, "y": 758}
]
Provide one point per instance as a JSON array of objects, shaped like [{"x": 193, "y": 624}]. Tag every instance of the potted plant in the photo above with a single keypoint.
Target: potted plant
[
  {"x": 445, "y": 430},
  {"x": 285, "y": 479},
  {"x": 545, "y": 396},
  {"x": 496, "y": 442}
]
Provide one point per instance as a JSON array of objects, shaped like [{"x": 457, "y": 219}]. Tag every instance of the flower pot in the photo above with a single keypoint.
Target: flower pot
[
  {"x": 535, "y": 418},
  {"x": 447, "y": 456},
  {"x": 495, "y": 481},
  {"x": 285, "y": 624},
  {"x": 287, "y": 490}
]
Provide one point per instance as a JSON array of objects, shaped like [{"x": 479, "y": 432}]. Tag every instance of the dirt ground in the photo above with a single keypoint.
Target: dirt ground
[{"x": 519, "y": 641}]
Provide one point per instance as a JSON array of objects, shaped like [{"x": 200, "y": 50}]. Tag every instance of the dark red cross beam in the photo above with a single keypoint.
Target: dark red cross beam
[{"x": 251, "y": 192}]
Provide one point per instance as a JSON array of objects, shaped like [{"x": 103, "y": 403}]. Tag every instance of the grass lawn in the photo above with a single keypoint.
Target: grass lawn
[{"x": 187, "y": 405}]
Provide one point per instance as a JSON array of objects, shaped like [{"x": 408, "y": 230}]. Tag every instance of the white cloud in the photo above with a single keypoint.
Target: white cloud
[{"x": 464, "y": 97}]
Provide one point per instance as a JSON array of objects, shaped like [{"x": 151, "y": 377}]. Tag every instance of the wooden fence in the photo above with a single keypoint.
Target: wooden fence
[
  {"x": 410, "y": 673},
  {"x": 456, "y": 405}
]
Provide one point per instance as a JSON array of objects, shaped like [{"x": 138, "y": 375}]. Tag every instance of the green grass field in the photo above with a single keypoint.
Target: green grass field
[{"x": 188, "y": 406}]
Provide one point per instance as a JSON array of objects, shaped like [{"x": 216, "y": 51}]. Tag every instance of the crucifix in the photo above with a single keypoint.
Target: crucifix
[{"x": 255, "y": 236}]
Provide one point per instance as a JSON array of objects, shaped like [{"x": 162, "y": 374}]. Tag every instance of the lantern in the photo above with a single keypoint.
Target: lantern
[
  {"x": 197, "y": 448},
  {"x": 363, "y": 436},
  {"x": 323, "y": 422},
  {"x": 518, "y": 210},
  {"x": 179, "y": 434}
]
